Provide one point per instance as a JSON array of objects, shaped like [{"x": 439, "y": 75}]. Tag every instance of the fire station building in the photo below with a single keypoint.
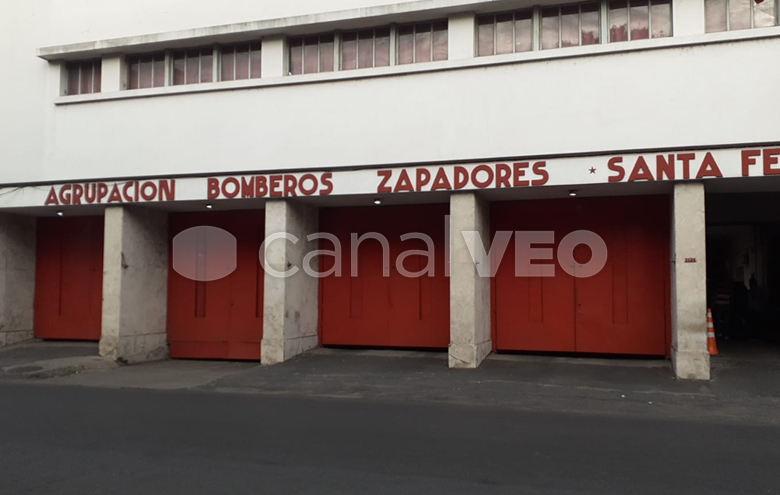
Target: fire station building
[{"x": 649, "y": 125}]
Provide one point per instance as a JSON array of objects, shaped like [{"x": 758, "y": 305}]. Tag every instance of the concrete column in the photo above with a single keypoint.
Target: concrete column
[
  {"x": 274, "y": 57},
  {"x": 689, "y": 282},
  {"x": 290, "y": 304},
  {"x": 688, "y": 17},
  {"x": 17, "y": 278},
  {"x": 135, "y": 284},
  {"x": 113, "y": 74},
  {"x": 470, "y": 336},
  {"x": 461, "y": 36}
]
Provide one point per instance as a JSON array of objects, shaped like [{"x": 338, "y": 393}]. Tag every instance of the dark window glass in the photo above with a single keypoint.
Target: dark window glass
[
  {"x": 349, "y": 51},
  {"x": 242, "y": 62},
  {"x": 591, "y": 27},
  {"x": 382, "y": 47},
  {"x": 618, "y": 21},
  {"x": 550, "y": 28},
  {"x": 256, "y": 60},
  {"x": 661, "y": 17},
  {"x": 366, "y": 49},
  {"x": 74, "y": 79},
  {"x": 296, "y": 56},
  {"x": 311, "y": 55},
  {"x": 406, "y": 44},
  {"x": 422, "y": 43},
  {"x": 640, "y": 19},
  {"x": 486, "y": 36},
  {"x": 440, "y": 40},
  {"x": 326, "y": 53}
]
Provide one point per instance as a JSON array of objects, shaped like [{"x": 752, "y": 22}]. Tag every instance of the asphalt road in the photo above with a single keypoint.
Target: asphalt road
[{"x": 64, "y": 440}]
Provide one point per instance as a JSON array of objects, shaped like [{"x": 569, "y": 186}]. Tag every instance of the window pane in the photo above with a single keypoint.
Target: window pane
[
  {"x": 550, "y": 28},
  {"x": 406, "y": 44},
  {"x": 440, "y": 41},
  {"x": 86, "y": 77},
  {"x": 193, "y": 66},
  {"x": 242, "y": 62},
  {"x": 570, "y": 25},
  {"x": 764, "y": 14},
  {"x": 524, "y": 31},
  {"x": 178, "y": 68},
  {"x": 227, "y": 63},
  {"x": 422, "y": 43},
  {"x": 326, "y": 53},
  {"x": 255, "y": 60},
  {"x": 311, "y": 55},
  {"x": 716, "y": 15},
  {"x": 146, "y": 71},
  {"x": 96, "y": 84},
  {"x": 382, "y": 47},
  {"x": 739, "y": 14},
  {"x": 618, "y": 21},
  {"x": 485, "y": 36},
  {"x": 591, "y": 27},
  {"x": 133, "y": 66},
  {"x": 296, "y": 56},
  {"x": 661, "y": 15},
  {"x": 73, "y": 78},
  {"x": 349, "y": 51},
  {"x": 640, "y": 20},
  {"x": 206, "y": 65},
  {"x": 504, "y": 33},
  {"x": 158, "y": 68},
  {"x": 366, "y": 49}
]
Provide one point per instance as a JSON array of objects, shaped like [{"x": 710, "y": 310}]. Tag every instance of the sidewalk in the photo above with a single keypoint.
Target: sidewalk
[{"x": 741, "y": 391}]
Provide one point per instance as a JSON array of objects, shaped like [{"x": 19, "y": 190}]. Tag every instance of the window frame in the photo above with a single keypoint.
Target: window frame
[
  {"x": 96, "y": 65},
  {"x": 752, "y": 17},
  {"x": 649, "y": 22}
]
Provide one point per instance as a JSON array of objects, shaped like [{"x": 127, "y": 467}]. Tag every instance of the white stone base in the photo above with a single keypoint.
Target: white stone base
[
  {"x": 469, "y": 356},
  {"x": 135, "y": 349},
  {"x": 691, "y": 365},
  {"x": 275, "y": 351},
  {"x": 10, "y": 338}
]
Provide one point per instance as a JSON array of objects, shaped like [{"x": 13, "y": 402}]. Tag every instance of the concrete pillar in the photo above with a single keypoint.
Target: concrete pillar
[
  {"x": 689, "y": 282},
  {"x": 274, "y": 57},
  {"x": 470, "y": 336},
  {"x": 135, "y": 284},
  {"x": 113, "y": 74},
  {"x": 461, "y": 36},
  {"x": 290, "y": 304},
  {"x": 688, "y": 17},
  {"x": 17, "y": 278}
]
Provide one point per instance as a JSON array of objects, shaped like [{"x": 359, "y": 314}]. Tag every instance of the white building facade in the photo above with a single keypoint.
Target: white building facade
[{"x": 126, "y": 124}]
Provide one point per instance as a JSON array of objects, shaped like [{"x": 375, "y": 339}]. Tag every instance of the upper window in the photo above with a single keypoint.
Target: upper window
[
  {"x": 311, "y": 54},
  {"x": 422, "y": 42},
  {"x": 570, "y": 25},
  {"x": 731, "y": 15},
  {"x": 242, "y": 61},
  {"x": 84, "y": 77},
  {"x": 146, "y": 71},
  {"x": 193, "y": 66},
  {"x": 365, "y": 49},
  {"x": 511, "y": 32},
  {"x": 639, "y": 19}
]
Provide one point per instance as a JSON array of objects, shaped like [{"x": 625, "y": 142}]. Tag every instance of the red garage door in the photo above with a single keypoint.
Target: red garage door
[
  {"x": 69, "y": 278},
  {"x": 218, "y": 319},
  {"x": 623, "y": 309},
  {"x": 377, "y": 311}
]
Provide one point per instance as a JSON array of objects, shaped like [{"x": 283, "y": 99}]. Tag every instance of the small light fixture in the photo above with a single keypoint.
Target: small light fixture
[
  {"x": 377, "y": 201},
  {"x": 60, "y": 213},
  {"x": 573, "y": 193},
  {"x": 209, "y": 206}
]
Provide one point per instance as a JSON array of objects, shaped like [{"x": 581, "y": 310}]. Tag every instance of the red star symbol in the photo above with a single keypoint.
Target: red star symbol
[{"x": 592, "y": 170}]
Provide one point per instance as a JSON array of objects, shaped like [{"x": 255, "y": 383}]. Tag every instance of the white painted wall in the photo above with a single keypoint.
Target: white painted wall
[{"x": 705, "y": 95}]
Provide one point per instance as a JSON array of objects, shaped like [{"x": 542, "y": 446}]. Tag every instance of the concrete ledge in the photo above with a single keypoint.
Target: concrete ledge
[
  {"x": 275, "y": 351},
  {"x": 691, "y": 365},
  {"x": 468, "y": 356}
]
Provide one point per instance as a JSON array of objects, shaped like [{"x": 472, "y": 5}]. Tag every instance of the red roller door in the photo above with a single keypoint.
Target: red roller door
[
  {"x": 69, "y": 278},
  {"x": 623, "y": 309},
  {"x": 376, "y": 311},
  {"x": 219, "y": 319}
]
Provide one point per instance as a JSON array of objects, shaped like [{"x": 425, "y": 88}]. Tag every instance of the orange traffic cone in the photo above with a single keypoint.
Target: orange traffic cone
[{"x": 712, "y": 346}]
